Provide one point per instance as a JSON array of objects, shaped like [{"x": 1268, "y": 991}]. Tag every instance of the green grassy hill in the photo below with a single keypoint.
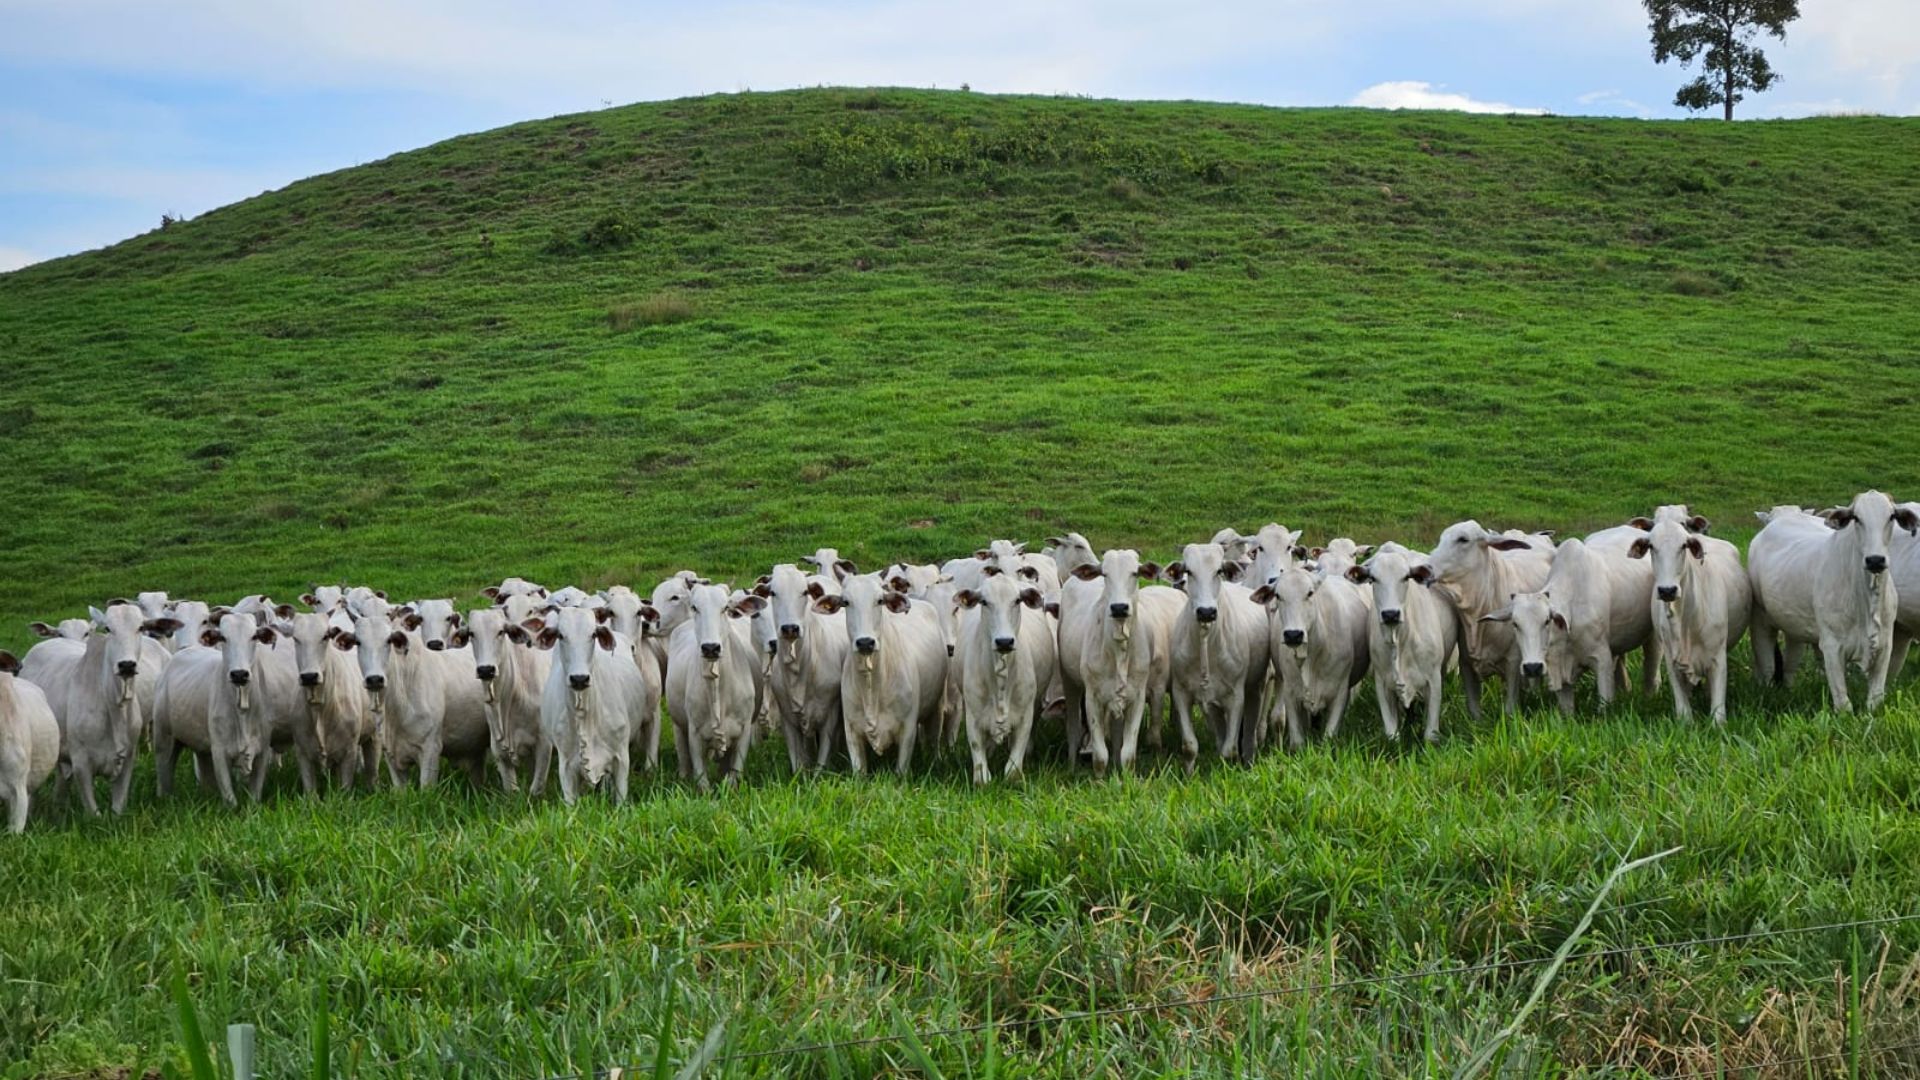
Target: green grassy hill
[{"x": 720, "y": 332}]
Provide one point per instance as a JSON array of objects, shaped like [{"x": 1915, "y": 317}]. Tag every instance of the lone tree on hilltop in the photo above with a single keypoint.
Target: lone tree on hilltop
[{"x": 1722, "y": 30}]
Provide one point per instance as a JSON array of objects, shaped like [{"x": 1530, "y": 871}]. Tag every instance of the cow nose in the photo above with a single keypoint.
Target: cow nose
[
  {"x": 1293, "y": 637},
  {"x": 436, "y": 644},
  {"x": 1669, "y": 593},
  {"x": 1390, "y": 616},
  {"x": 579, "y": 682},
  {"x": 376, "y": 682},
  {"x": 1876, "y": 563},
  {"x": 240, "y": 678},
  {"x": 865, "y": 644},
  {"x": 710, "y": 650},
  {"x": 790, "y": 631},
  {"x": 485, "y": 671},
  {"x": 309, "y": 678},
  {"x": 1206, "y": 614},
  {"x": 1004, "y": 644},
  {"x": 1533, "y": 669},
  {"x": 1119, "y": 611},
  {"x": 949, "y": 648},
  {"x": 129, "y": 668}
]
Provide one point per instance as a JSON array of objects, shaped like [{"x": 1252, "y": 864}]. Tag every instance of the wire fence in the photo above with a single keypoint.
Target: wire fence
[{"x": 998, "y": 1027}]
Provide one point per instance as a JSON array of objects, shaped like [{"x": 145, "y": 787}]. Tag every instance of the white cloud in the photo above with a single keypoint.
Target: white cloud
[
  {"x": 1612, "y": 101},
  {"x": 13, "y": 258},
  {"x": 1411, "y": 94}
]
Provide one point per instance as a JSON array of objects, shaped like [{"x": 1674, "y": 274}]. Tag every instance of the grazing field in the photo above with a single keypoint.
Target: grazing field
[{"x": 719, "y": 332}]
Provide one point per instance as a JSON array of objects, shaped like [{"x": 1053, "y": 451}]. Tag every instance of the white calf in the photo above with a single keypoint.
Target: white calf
[
  {"x": 1594, "y": 608},
  {"x": 805, "y": 681},
  {"x": 1701, "y": 604},
  {"x": 593, "y": 700},
  {"x": 223, "y": 699},
  {"x": 1411, "y": 635},
  {"x": 1006, "y": 659},
  {"x": 1219, "y": 653},
  {"x": 710, "y": 684},
  {"x": 94, "y": 688},
  {"x": 893, "y": 679},
  {"x": 1317, "y": 637},
  {"x": 1481, "y": 571}
]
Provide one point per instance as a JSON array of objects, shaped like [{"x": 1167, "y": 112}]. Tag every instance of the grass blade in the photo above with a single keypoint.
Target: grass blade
[{"x": 198, "y": 1058}]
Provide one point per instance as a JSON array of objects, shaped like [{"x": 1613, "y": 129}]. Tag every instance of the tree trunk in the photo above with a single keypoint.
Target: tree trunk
[{"x": 1726, "y": 75}]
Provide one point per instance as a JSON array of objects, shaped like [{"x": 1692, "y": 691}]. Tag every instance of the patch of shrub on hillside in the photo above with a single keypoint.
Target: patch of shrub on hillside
[
  {"x": 610, "y": 231},
  {"x": 659, "y": 309},
  {"x": 1688, "y": 283}
]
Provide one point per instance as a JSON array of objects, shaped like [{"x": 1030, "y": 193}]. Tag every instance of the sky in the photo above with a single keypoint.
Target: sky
[{"x": 114, "y": 112}]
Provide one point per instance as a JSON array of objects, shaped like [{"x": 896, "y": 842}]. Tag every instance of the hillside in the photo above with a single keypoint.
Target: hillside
[
  {"x": 721, "y": 332},
  {"x": 923, "y": 318}
]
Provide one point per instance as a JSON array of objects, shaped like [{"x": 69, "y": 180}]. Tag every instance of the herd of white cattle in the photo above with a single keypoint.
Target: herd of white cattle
[{"x": 1261, "y": 633}]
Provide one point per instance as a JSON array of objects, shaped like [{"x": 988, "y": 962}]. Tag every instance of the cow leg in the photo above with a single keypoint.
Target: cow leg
[
  {"x": 570, "y": 779},
  {"x": 223, "y": 776},
  {"x": 505, "y": 761},
  {"x": 429, "y": 762},
  {"x": 622, "y": 777},
  {"x": 1650, "y": 667},
  {"x": 1251, "y": 722},
  {"x": 17, "y": 805},
  {"x": 1898, "y": 659},
  {"x": 303, "y": 759},
  {"x": 1097, "y": 727},
  {"x": 1073, "y": 719},
  {"x": 1336, "y": 710},
  {"x": 1470, "y": 683},
  {"x": 1790, "y": 666},
  {"x": 1766, "y": 646},
  {"x": 1183, "y": 713},
  {"x": 737, "y": 761},
  {"x": 856, "y": 748},
  {"x": 1233, "y": 716},
  {"x": 977, "y": 749},
  {"x": 1015, "y": 770},
  {"x": 393, "y": 770},
  {"x": 1876, "y": 679},
  {"x": 166, "y": 754},
  {"x": 1718, "y": 689},
  {"x": 257, "y": 781},
  {"x": 1389, "y": 707},
  {"x": 1432, "y": 733},
  {"x": 909, "y": 733},
  {"x": 1138, "y": 709},
  {"x": 370, "y": 752},
  {"x": 542, "y": 766},
  {"x": 83, "y": 779},
  {"x": 1683, "y": 691},
  {"x": 682, "y": 748},
  {"x": 346, "y": 767},
  {"x": 1610, "y": 672},
  {"x": 1834, "y": 660},
  {"x": 1511, "y": 678},
  {"x": 796, "y": 744},
  {"x": 653, "y": 740}
]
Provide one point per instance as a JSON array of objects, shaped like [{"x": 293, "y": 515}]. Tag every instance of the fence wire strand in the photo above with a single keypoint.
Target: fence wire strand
[{"x": 1331, "y": 985}]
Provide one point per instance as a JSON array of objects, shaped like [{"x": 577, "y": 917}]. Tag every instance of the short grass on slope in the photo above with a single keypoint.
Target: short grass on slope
[{"x": 719, "y": 332}]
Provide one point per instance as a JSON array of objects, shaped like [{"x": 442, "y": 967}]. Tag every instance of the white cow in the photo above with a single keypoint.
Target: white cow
[
  {"x": 1219, "y": 653},
  {"x": 828, "y": 561},
  {"x": 335, "y": 735},
  {"x": 1822, "y": 580},
  {"x": 1411, "y": 635},
  {"x": 1114, "y": 653},
  {"x": 634, "y": 619},
  {"x": 325, "y": 599},
  {"x": 1006, "y": 659},
  {"x": 1481, "y": 571},
  {"x": 710, "y": 684},
  {"x": 1236, "y": 546},
  {"x": 194, "y": 618},
  {"x": 514, "y": 586},
  {"x": 805, "y": 681},
  {"x": 1701, "y": 604},
  {"x": 65, "y": 629},
  {"x": 894, "y": 678},
  {"x": 593, "y": 700},
  {"x": 1338, "y": 556},
  {"x": 1273, "y": 549},
  {"x": 1594, "y": 608},
  {"x": 513, "y": 675},
  {"x": 1903, "y": 555},
  {"x": 96, "y": 693},
  {"x": 223, "y": 699},
  {"x": 1317, "y": 637},
  {"x": 1070, "y": 551},
  {"x": 427, "y": 702},
  {"x": 29, "y": 741}
]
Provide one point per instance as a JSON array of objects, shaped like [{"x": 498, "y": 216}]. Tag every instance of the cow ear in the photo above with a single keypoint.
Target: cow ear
[
  {"x": 602, "y": 614},
  {"x": 1508, "y": 543},
  {"x": 1263, "y": 594},
  {"x": 266, "y": 636},
  {"x": 411, "y": 622},
  {"x": 827, "y": 605},
  {"x": 966, "y": 598},
  {"x": 1314, "y": 552},
  {"x": 1559, "y": 620},
  {"x": 547, "y": 637},
  {"x": 1151, "y": 571},
  {"x": 990, "y": 570},
  {"x": 517, "y": 634},
  {"x": 491, "y": 592},
  {"x": 9, "y": 663},
  {"x": 99, "y": 617},
  {"x": 1177, "y": 572},
  {"x": 983, "y": 554},
  {"x": 1359, "y": 575},
  {"x": 344, "y": 641},
  {"x": 164, "y": 626},
  {"x": 761, "y": 588},
  {"x": 649, "y": 614},
  {"x": 896, "y": 602},
  {"x": 1698, "y": 524},
  {"x": 283, "y": 611},
  {"x": 399, "y": 642},
  {"x": 1505, "y": 614},
  {"x": 1422, "y": 574},
  {"x": 43, "y": 629},
  {"x": 1643, "y": 524},
  {"x": 307, "y": 599},
  {"x": 332, "y": 632},
  {"x": 1231, "y": 571},
  {"x": 844, "y": 568},
  {"x": 1638, "y": 549},
  {"x": 1052, "y": 608},
  {"x": 747, "y": 605},
  {"x": 1902, "y": 516},
  {"x": 1300, "y": 551},
  {"x": 534, "y": 623},
  {"x": 1088, "y": 571},
  {"x": 816, "y": 590},
  {"x": 380, "y": 594},
  {"x": 1055, "y": 541},
  {"x": 459, "y": 638},
  {"x": 1028, "y": 572},
  {"x": 900, "y": 585},
  {"x": 453, "y": 618},
  {"x": 211, "y": 638},
  {"x": 1839, "y": 517},
  {"x": 603, "y": 637},
  {"x": 1032, "y": 598},
  {"x": 1695, "y": 548},
  {"x": 1363, "y": 551}
]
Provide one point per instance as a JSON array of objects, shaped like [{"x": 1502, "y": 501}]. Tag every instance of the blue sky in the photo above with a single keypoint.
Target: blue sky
[{"x": 113, "y": 112}]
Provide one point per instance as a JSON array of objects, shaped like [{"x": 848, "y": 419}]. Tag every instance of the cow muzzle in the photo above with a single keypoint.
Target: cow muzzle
[
  {"x": 1003, "y": 644},
  {"x": 790, "y": 631},
  {"x": 309, "y": 678},
  {"x": 485, "y": 672},
  {"x": 1876, "y": 564},
  {"x": 1390, "y": 616},
  {"x": 437, "y": 644},
  {"x": 1533, "y": 669},
  {"x": 1206, "y": 614},
  {"x": 579, "y": 682},
  {"x": 865, "y": 646},
  {"x": 1668, "y": 593},
  {"x": 240, "y": 678},
  {"x": 710, "y": 650},
  {"x": 1294, "y": 638},
  {"x": 127, "y": 669}
]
